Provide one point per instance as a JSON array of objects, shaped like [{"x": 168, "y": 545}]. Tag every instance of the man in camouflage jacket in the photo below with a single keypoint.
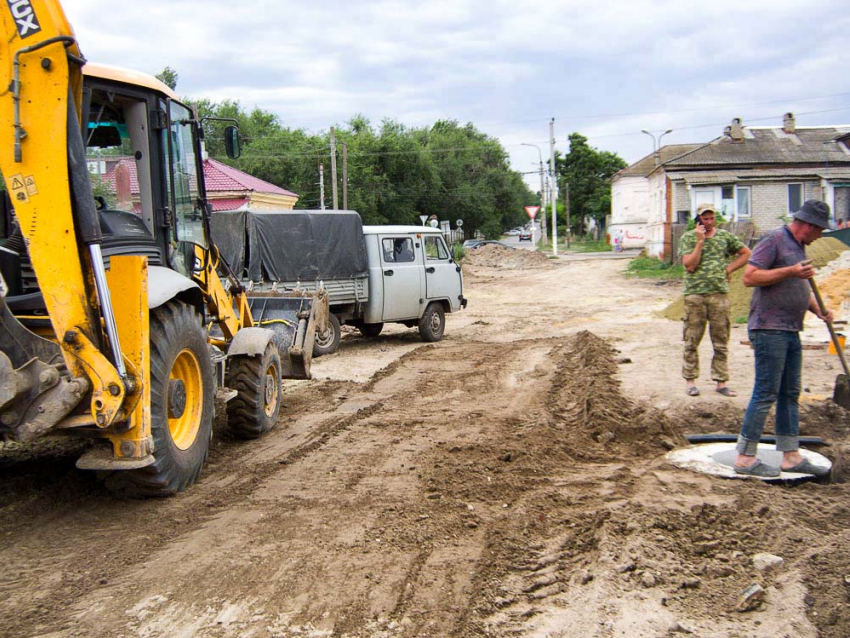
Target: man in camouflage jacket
[{"x": 706, "y": 252}]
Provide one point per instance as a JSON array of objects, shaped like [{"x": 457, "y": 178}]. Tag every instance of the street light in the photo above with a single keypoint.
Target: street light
[
  {"x": 656, "y": 144},
  {"x": 542, "y": 193}
]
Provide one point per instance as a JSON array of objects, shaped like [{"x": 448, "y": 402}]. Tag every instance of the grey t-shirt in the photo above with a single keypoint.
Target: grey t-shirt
[{"x": 780, "y": 306}]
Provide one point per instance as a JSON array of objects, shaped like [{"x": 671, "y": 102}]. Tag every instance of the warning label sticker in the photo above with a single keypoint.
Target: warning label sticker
[
  {"x": 29, "y": 182},
  {"x": 19, "y": 190}
]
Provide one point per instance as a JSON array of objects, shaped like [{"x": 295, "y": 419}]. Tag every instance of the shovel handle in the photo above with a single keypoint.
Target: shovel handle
[{"x": 832, "y": 334}]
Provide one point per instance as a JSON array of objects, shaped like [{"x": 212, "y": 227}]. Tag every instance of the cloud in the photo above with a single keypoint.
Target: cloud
[{"x": 507, "y": 67}]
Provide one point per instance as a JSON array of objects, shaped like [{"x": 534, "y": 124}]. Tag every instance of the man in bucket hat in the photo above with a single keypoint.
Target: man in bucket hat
[
  {"x": 706, "y": 253},
  {"x": 778, "y": 271}
]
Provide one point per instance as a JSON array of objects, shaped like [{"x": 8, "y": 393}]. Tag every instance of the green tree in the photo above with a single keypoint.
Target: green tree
[
  {"x": 168, "y": 76},
  {"x": 588, "y": 172}
]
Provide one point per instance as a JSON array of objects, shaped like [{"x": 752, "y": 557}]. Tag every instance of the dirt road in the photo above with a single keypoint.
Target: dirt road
[{"x": 508, "y": 481}]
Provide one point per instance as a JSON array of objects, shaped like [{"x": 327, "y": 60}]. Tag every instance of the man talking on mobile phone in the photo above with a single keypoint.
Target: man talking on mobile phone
[
  {"x": 778, "y": 270},
  {"x": 706, "y": 253}
]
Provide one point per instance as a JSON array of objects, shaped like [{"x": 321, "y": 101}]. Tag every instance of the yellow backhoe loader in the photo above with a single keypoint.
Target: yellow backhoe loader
[{"x": 118, "y": 319}]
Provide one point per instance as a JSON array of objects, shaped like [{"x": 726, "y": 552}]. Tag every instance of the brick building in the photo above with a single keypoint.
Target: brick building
[{"x": 758, "y": 174}]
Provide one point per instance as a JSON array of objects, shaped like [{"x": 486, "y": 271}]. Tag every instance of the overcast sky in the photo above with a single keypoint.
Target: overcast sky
[{"x": 606, "y": 69}]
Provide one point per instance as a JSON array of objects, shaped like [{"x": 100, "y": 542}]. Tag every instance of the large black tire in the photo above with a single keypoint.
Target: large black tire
[
  {"x": 257, "y": 381},
  {"x": 433, "y": 322},
  {"x": 328, "y": 342},
  {"x": 181, "y": 440},
  {"x": 370, "y": 329}
]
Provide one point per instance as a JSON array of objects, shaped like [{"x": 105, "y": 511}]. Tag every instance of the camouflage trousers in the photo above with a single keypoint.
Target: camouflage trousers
[{"x": 699, "y": 311}]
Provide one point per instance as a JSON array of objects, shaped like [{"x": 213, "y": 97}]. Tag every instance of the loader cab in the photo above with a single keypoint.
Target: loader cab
[{"x": 144, "y": 158}]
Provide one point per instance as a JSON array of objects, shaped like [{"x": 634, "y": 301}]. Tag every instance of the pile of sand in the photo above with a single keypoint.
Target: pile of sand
[
  {"x": 495, "y": 256},
  {"x": 826, "y": 250},
  {"x": 834, "y": 283}
]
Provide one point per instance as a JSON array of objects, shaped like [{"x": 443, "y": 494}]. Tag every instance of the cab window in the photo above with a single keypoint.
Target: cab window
[
  {"x": 398, "y": 250},
  {"x": 435, "y": 248},
  {"x": 183, "y": 191},
  {"x": 117, "y": 154}
]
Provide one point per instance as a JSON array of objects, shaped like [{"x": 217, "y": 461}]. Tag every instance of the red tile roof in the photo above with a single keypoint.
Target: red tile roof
[
  {"x": 228, "y": 203},
  {"x": 221, "y": 177}
]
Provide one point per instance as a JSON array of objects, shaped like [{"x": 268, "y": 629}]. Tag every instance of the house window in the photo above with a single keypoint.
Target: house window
[
  {"x": 795, "y": 197},
  {"x": 727, "y": 201},
  {"x": 743, "y": 198}
]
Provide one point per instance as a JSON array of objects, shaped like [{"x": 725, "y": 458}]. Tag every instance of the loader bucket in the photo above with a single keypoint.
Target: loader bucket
[{"x": 294, "y": 318}]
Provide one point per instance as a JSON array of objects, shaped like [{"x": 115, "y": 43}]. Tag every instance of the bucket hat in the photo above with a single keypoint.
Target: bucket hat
[{"x": 814, "y": 212}]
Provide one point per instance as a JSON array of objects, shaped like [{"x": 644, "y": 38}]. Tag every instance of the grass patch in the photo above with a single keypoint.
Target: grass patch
[
  {"x": 652, "y": 268},
  {"x": 741, "y": 319},
  {"x": 577, "y": 245}
]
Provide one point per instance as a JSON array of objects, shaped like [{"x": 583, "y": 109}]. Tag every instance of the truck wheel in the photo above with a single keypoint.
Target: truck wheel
[
  {"x": 433, "y": 323},
  {"x": 257, "y": 381},
  {"x": 370, "y": 329},
  {"x": 182, "y": 407},
  {"x": 328, "y": 341}
]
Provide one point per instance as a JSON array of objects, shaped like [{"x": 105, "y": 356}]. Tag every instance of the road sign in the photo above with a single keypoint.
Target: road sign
[
  {"x": 424, "y": 218},
  {"x": 532, "y": 211},
  {"x": 459, "y": 223}
]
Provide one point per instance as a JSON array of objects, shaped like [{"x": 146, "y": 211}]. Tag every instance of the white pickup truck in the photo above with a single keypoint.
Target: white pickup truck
[{"x": 373, "y": 274}]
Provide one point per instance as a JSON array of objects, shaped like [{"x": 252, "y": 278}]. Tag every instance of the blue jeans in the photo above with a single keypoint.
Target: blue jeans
[{"x": 779, "y": 367}]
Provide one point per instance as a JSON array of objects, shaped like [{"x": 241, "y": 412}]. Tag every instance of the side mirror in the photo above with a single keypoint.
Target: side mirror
[
  {"x": 232, "y": 143},
  {"x": 452, "y": 250}
]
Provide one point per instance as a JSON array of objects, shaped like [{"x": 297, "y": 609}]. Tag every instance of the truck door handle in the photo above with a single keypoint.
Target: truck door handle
[
  {"x": 388, "y": 273},
  {"x": 431, "y": 269}
]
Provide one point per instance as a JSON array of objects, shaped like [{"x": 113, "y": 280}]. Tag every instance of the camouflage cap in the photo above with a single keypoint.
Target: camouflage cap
[{"x": 706, "y": 208}]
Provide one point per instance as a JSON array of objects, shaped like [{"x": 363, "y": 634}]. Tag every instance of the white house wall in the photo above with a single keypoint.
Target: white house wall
[{"x": 630, "y": 205}]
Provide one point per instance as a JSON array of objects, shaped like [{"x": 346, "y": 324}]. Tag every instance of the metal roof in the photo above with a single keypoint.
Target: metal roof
[
  {"x": 770, "y": 145},
  {"x": 646, "y": 165}
]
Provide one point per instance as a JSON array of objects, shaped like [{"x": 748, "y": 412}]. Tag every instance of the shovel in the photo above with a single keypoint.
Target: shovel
[{"x": 841, "y": 395}]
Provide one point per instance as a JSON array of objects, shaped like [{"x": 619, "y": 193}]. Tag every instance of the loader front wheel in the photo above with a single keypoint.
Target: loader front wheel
[
  {"x": 182, "y": 407},
  {"x": 257, "y": 381},
  {"x": 328, "y": 341}
]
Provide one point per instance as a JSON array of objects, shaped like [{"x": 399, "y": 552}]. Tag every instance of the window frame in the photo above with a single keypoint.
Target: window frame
[
  {"x": 394, "y": 252},
  {"x": 442, "y": 250},
  {"x": 749, "y": 190},
  {"x": 802, "y": 186}
]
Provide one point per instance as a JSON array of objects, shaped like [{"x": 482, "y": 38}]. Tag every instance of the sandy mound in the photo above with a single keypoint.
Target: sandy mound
[
  {"x": 495, "y": 256},
  {"x": 834, "y": 284},
  {"x": 825, "y": 250}
]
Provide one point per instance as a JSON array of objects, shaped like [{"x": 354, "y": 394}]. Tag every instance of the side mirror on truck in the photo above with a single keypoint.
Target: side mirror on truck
[{"x": 232, "y": 143}]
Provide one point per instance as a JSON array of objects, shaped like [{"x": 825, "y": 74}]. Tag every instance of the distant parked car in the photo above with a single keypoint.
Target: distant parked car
[
  {"x": 490, "y": 241},
  {"x": 525, "y": 235},
  {"x": 472, "y": 243},
  {"x": 512, "y": 232}
]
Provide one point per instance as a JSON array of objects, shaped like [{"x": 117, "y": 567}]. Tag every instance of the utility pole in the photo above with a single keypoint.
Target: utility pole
[
  {"x": 543, "y": 237},
  {"x": 322, "y": 186},
  {"x": 567, "y": 209},
  {"x": 554, "y": 186},
  {"x": 333, "y": 169},
  {"x": 344, "y": 176}
]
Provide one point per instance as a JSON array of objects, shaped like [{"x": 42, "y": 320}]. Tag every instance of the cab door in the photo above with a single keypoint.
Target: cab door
[
  {"x": 402, "y": 274},
  {"x": 442, "y": 279}
]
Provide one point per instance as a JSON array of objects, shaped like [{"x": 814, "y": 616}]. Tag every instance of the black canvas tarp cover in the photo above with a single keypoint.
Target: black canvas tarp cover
[{"x": 298, "y": 245}]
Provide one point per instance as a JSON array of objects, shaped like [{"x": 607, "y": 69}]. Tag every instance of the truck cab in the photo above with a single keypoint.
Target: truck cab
[{"x": 413, "y": 278}]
